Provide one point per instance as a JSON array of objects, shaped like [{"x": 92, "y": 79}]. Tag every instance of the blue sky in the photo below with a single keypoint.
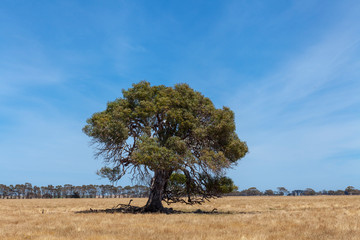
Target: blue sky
[{"x": 289, "y": 69}]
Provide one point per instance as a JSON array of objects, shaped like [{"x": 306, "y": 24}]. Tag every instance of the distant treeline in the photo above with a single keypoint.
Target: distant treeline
[
  {"x": 27, "y": 190},
  {"x": 281, "y": 191}
]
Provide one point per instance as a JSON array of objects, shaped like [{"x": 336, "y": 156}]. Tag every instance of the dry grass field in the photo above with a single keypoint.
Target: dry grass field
[{"x": 320, "y": 217}]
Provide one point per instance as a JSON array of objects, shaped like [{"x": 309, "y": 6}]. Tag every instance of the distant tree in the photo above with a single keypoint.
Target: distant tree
[
  {"x": 157, "y": 131},
  {"x": 92, "y": 191},
  {"x": 324, "y": 192},
  {"x": 144, "y": 191},
  {"x": 297, "y": 192},
  {"x": 4, "y": 190},
  {"x": 75, "y": 194},
  {"x": 37, "y": 192},
  {"x": 339, "y": 192},
  {"x": 58, "y": 191},
  {"x": 68, "y": 190},
  {"x": 127, "y": 190},
  {"x": 253, "y": 191},
  {"x": 112, "y": 190},
  {"x": 46, "y": 192},
  {"x": 12, "y": 191},
  {"x": 309, "y": 192},
  {"x": 19, "y": 190},
  {"x": 269, "y": 192},
  {"x": 82, "y": 190},
  {"x": 350, "y": 190},
  {"x": 282, "y": 191},
  {"x": 79, "y": 190},
  {"x": 51, "y": 190},
  {"x": 28, "y": 190},
  {"x": 331, "y": 192}
]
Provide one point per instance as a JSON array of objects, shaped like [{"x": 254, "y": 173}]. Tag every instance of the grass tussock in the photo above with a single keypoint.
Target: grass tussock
[{"x": 320, "y": 217}]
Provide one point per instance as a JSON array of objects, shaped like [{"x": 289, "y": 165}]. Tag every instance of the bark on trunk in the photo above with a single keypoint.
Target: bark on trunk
[{"x": 158, "y": 183}]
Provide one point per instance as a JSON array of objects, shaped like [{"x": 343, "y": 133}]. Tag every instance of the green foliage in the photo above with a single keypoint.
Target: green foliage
[
  {"x": 220, "y": 185},
  {"x": 282, "y": 191},
  {"x": 215, "y": 185},
  {"x": 253, "y": 191},
  {"x": 177, "y": 186},
  {"x": 269, "y": 192},
  {"x": 309, "y": 192},
  {"x": 180, "y": 186},
  {"x": 173, "y": 129}
]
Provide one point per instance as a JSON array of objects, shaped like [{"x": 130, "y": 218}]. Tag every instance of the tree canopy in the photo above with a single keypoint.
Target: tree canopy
[{"x": 159, "y": 131}]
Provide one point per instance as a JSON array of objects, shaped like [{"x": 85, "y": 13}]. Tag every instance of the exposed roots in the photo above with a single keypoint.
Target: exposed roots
[
  {"x": 127, "y": 208},
  {"x": 123, "y": 208}
]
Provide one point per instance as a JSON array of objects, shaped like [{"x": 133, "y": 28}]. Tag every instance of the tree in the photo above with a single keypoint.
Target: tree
[
  {"x": 157, "y": 131},
  {"x": 331, "y": 192},
  {"x": 37, "y": 192},
  {"x": 68, "y": 190},
  {"x": 20, "y": 190},
  {"x": 324, "y": 192},
  {"x": 282, "y": 191},
  {"x": 269, "y": 192},
  {"x": 92, "y": 191},
  {"x": 350, "y": 190},
  {"x": 339, "y": 192},
  {"x": 253, "y": 191},
  {"x": 58, "y": 190},
  {"x": 309, "y": 192},
  {"x": 177, "y": 187},
  {"x": 28, "y": 190},
  {"x": 4, "y": 190}
]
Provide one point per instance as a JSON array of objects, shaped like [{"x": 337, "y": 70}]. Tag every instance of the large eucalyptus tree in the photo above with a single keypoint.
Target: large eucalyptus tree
[{"x": 158, "y": 131}]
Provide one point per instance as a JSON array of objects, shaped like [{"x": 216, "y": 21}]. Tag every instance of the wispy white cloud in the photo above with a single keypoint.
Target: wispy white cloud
[{"x": 305, "y": 113}]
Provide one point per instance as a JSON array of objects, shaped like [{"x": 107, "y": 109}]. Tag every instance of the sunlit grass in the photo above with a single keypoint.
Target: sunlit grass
[{"x": 320, "y": 217}]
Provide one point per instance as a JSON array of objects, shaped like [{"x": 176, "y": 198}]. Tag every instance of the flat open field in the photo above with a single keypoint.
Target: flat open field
[{"x": 320, "y": 217}]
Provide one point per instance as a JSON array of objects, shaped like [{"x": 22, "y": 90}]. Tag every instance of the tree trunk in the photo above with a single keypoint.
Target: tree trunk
[{"x": 158, "y": 183}]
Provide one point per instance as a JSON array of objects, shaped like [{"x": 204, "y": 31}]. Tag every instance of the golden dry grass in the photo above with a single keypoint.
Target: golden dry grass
[{"x": 320, "y": 217}]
